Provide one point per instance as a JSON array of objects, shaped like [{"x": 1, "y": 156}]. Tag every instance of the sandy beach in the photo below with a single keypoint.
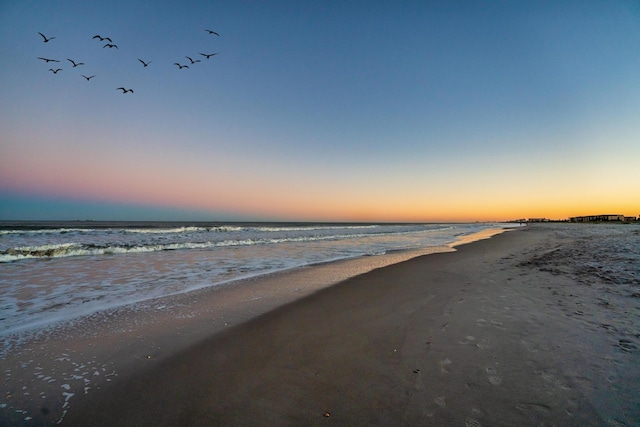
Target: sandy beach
[{"x": 505, "y": 331}]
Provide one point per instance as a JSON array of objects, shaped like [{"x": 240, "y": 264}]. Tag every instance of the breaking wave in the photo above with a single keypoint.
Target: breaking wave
[{"x": 79, "y": 249}]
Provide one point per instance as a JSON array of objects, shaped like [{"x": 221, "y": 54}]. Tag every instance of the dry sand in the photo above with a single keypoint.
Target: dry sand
[{"x": 488, "y": 335}]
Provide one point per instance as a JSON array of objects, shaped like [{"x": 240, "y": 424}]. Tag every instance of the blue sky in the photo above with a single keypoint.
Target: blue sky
[{"x": 360, "y": 110}]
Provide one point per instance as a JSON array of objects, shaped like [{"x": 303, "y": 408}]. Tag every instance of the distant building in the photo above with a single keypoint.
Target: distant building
[
  {"x": 538, "y": 220},
  {"x": 600, "y": 218}
]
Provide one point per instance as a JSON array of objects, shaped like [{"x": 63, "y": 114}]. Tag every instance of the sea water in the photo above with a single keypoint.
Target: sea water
[{"x": 52, "y": 272}]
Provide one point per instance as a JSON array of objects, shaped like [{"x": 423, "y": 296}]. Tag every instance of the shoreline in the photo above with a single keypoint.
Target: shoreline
[
  {"x": 511, "y": 330},
  {"x": 488, "y": 335},
  {"x": 119, "y": 342}
]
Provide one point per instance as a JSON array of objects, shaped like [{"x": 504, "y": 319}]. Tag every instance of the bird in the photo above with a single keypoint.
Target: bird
[
  {"x": 75, "y": 64},
  {"x": 48, "y": 60},
  {"x": 109, "y": 45},
  {"x": 46, "y": 40},
  {"x": 102, "y": 38},
  {"x": 88, "y": 78},
  {"x": 125, "y": 90},
  {"x": 144, "y": 63},
  {"x": 212, "y": 32},
  {"x": 55, "y": 71},
  {"x": 192, "y": 61},
  {"x": 208, "y": 55},
  {"x": 180, "y": 66}
]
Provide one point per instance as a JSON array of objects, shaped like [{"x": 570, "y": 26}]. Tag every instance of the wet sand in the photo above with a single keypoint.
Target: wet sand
[{"x": 505, "y": 331}]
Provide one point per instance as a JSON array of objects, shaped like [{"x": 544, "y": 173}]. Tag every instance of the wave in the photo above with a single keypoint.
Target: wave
[
  {"x": 82, "y": 249},
  {"x": 182, "y": 230},
  {"x": 48, "y": 231},
  {"x": 178, "y": 230}
]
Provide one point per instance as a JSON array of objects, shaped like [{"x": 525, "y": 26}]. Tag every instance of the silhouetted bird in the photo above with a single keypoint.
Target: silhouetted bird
[
  {"x": 88, "y": 78},
  {"x": 125, "y": 90},
  {"x": 192, "y": 61},
  {"x": 102, "y": 38},
  {"x": 109, "y": 45},
  {"x": 75, "y": 64},
  {"x": 48, "y": 60},
  {"x": 46, "y": 40},
  {"x": 208, "y": 55},
  {"x": 55, "y": 71},
  {"x": 181, "y": 66},
  {"x": 212, "y": 32},
  {"x": 144, "y": 63}
]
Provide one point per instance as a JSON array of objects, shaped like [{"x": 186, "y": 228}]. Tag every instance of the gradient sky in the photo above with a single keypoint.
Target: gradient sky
[{"x": 334, "y": 110}]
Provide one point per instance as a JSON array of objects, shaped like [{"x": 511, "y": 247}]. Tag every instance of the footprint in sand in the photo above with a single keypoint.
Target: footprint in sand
[
  {"x": 529, "y": 346},
  {"x": 468, "y": 340},
  {"x": 444, "y": 365},
  {"x": 497, "y": 324},
  {"x": 495, "y": 380}
]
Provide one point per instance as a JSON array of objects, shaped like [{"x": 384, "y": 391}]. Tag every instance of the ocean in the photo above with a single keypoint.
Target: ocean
[{"x": 52, "y": 272}]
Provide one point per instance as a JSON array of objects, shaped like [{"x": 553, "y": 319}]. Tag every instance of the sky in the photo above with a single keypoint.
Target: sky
[{"x": 320, "y": 110}]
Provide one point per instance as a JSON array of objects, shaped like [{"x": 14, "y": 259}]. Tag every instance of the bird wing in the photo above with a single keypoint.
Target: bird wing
[{"x": 43, "y": 36}]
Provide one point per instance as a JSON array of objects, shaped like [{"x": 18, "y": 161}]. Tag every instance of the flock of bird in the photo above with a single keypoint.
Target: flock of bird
[{"x": 111, "y": 45}]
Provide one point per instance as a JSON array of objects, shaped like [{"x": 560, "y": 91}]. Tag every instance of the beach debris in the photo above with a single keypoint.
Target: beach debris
[
  {"x": 148, "y": 356},
  {"x": 626, "y": 345},
  {"x": 327, "y": 414},
  {"x": 416, "y": 371},
  {"x": 470, "y": 422}
]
